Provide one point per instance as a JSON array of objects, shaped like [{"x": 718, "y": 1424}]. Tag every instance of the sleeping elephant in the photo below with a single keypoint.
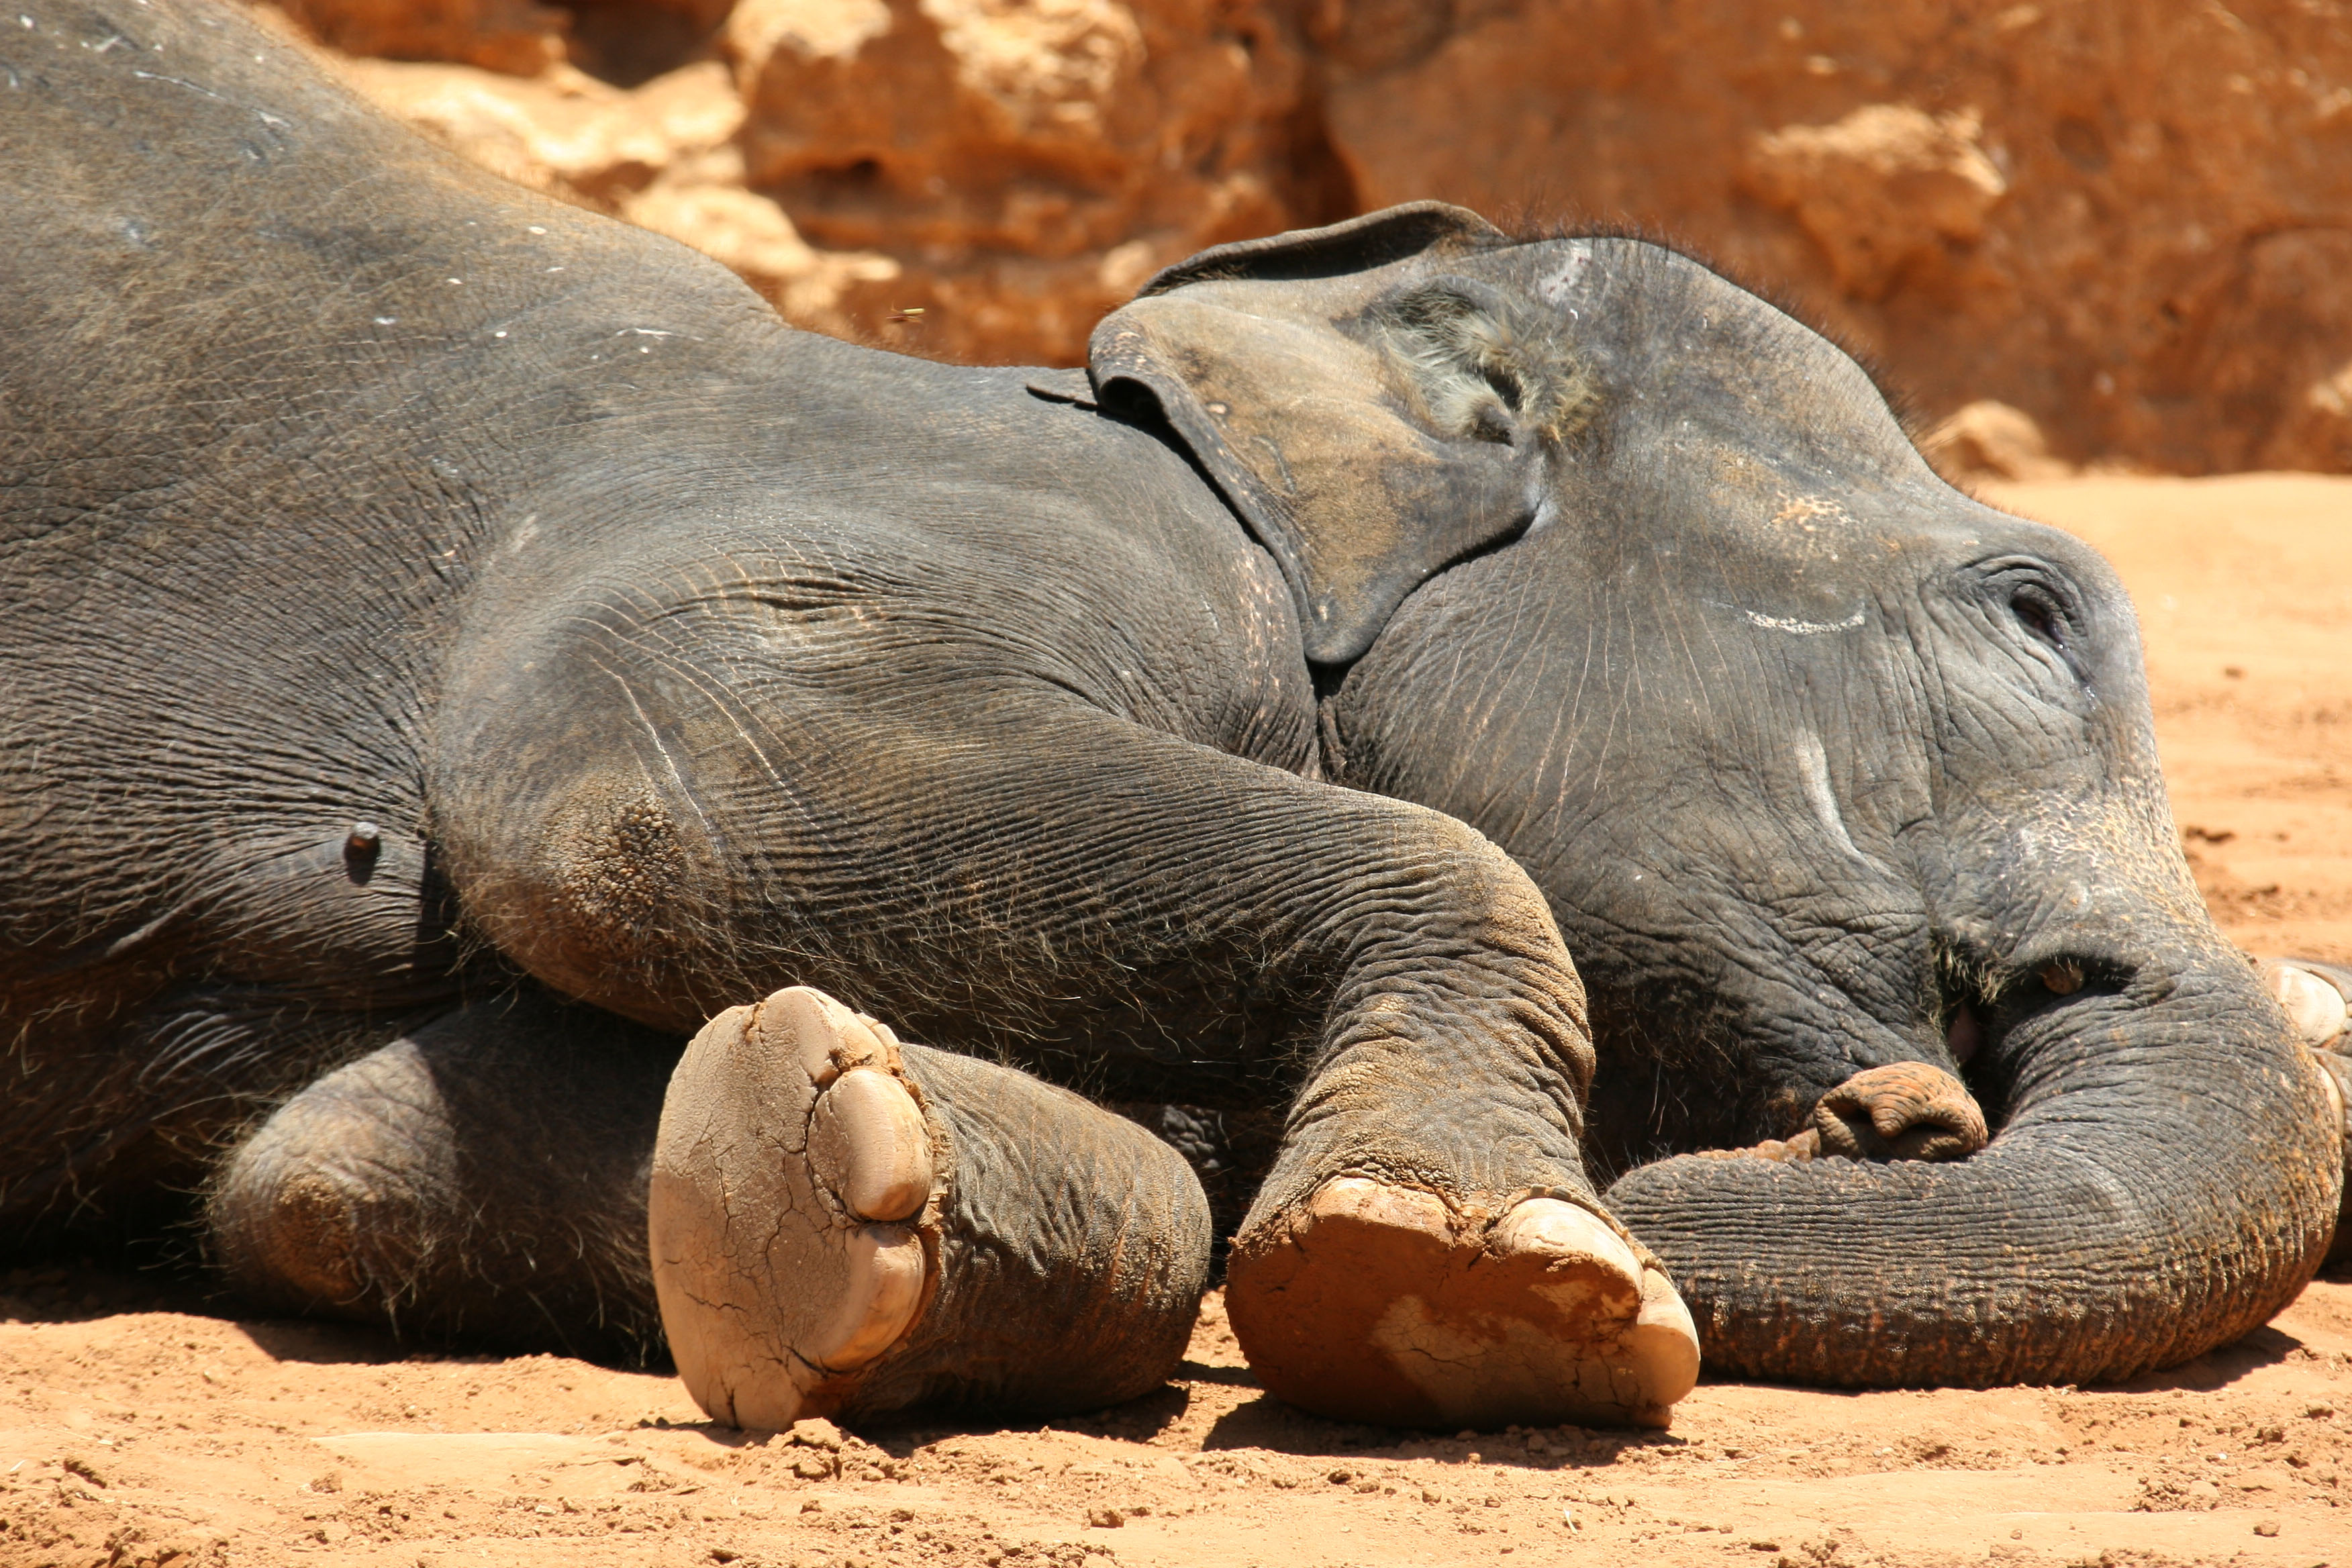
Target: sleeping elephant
[{"x": 457, "y": 647}]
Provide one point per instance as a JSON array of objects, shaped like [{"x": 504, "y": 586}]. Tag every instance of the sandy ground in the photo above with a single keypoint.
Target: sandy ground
[{"x": 138, "y": 1426}]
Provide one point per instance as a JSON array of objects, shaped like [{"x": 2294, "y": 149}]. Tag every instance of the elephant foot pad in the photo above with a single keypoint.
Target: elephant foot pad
[
  {"x": 792, "y": 1181},
  {"x": 1377, "y": 1303}
]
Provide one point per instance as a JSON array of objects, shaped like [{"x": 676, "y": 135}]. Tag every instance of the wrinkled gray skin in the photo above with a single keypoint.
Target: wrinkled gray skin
[{"x": 679, "y": 656}]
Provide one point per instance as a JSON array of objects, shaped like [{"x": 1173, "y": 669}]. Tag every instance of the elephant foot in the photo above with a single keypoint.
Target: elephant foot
[
  {"x": 2314, "y": 996},
  {"x": 791, "y": 1179},
  {"x": 1904, "y": 1110},
  {"x": 290, "y": 1216},
  {"x": 1382, "y": 1303},
  {"x": 843, "y": 1225},
  {"x": 476, "y": 1181},
  {"x": 2317, "y": 999}
]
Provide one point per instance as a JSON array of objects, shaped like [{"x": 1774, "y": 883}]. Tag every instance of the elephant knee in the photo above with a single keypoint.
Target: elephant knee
[{"x": 322, "y": 1209}]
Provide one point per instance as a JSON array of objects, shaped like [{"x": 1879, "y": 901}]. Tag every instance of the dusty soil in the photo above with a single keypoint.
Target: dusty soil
[{"x": 140, "y": 1424}]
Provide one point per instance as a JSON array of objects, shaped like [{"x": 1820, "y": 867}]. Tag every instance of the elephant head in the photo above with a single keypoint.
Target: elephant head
[{"x": 1822, "y": 765}]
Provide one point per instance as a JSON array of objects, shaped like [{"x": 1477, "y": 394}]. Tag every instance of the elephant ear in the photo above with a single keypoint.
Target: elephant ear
[{"x": 1372, "y": 409}]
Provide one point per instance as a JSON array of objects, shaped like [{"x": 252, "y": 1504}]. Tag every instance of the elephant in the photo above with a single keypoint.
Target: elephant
[{"x": 545, "y": 807}]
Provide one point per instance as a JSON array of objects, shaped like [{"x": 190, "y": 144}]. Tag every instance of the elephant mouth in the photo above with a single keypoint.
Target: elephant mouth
[
  {"x": 1916, "y": 1110},
  {"x": 1920, "y": 1110}
]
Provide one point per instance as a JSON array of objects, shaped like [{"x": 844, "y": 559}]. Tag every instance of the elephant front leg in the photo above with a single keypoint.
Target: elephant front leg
[
  {"x": 843, "y": 1225},
  {"x": 1039, "y": 862},
  {"x": 1428, "y": 1250}
]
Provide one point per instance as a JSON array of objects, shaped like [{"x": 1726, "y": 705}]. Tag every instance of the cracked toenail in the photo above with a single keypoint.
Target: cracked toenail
[
  {"x": 1377, "y": 1203},
  {"x": 868, "y": 1136}
]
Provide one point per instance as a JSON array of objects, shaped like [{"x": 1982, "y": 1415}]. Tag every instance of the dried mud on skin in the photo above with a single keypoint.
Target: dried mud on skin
[{"x": 141, "y": 1425}]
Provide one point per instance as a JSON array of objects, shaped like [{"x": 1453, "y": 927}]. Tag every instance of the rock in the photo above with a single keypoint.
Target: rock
[
  {"x": 622, "y": 41},
  {"x": 521, "y": 37},
  {"x": 1028, "y": 161},
  {"x": 2317, "y": 430},
  {"x": 1884, "y": 186},
  {"x": 662, "y": 155},
  {"x": 816, "y": 1432},
  {"x": 563, "y": 131},
  {"x": 700, "y": 206},
  {"x": 1991, "y": 440},
  {"x": 2129, "y": 225},
  {"x": 2133, "y": 223}
]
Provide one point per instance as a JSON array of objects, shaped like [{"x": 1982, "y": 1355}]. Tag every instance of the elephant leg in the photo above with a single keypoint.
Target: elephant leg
[
  {"x": 109, "y": 1124},
  {"x": 843, "y": 1225},
  {"x": 1406, "y": 1260},
  {"x": 480, "y": 1181},
  {"x": 1049, "y": 878},
  {"x": 1229, "y": 1148}
]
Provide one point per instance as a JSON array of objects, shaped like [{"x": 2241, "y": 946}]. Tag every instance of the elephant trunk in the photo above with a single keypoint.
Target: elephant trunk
[{"x": 2166, "y": 1179}]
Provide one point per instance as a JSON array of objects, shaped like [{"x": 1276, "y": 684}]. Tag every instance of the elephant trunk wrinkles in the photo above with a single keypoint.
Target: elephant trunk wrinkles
[{"x": 2166, "y": 1181}]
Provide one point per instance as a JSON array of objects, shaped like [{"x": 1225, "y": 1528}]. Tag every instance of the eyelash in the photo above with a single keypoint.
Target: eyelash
[{"x": 2042, "y": 614}]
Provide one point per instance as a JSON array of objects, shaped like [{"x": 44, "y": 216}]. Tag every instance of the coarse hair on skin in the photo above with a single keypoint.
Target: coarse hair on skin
[{"x": 1480, "y": 366}]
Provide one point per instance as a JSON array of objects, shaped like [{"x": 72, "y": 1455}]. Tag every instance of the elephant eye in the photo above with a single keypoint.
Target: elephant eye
[
  {"x": 2044, "y": 604},
  {"x": 2042, "y": 614}
]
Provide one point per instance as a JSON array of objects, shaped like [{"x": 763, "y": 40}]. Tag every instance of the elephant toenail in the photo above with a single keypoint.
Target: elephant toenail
[
  {"x": 2315, "y": 1008},
  {"x": 868, "y": 1133}
]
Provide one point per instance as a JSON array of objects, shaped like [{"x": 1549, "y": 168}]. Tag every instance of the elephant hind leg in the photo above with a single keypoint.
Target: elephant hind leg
[
  {"x": 478, "y": 1182},
  {"x": 842, "y": 1225}
]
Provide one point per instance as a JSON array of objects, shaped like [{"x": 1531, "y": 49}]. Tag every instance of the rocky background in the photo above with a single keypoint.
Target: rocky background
[{"x": 2070, "y": 231}]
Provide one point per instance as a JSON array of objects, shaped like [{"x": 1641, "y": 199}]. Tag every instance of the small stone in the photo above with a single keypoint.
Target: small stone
[
  {"x": 2267, "y": 1527},
  {"x": 1340, "y": 1478},
  {"x": 1763, "y": 1546},
  {"x": 1105, "y": 1518}
]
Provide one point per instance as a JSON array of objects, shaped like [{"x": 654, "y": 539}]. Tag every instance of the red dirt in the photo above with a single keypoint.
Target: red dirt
[{"x": 141, "y": 1426}]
